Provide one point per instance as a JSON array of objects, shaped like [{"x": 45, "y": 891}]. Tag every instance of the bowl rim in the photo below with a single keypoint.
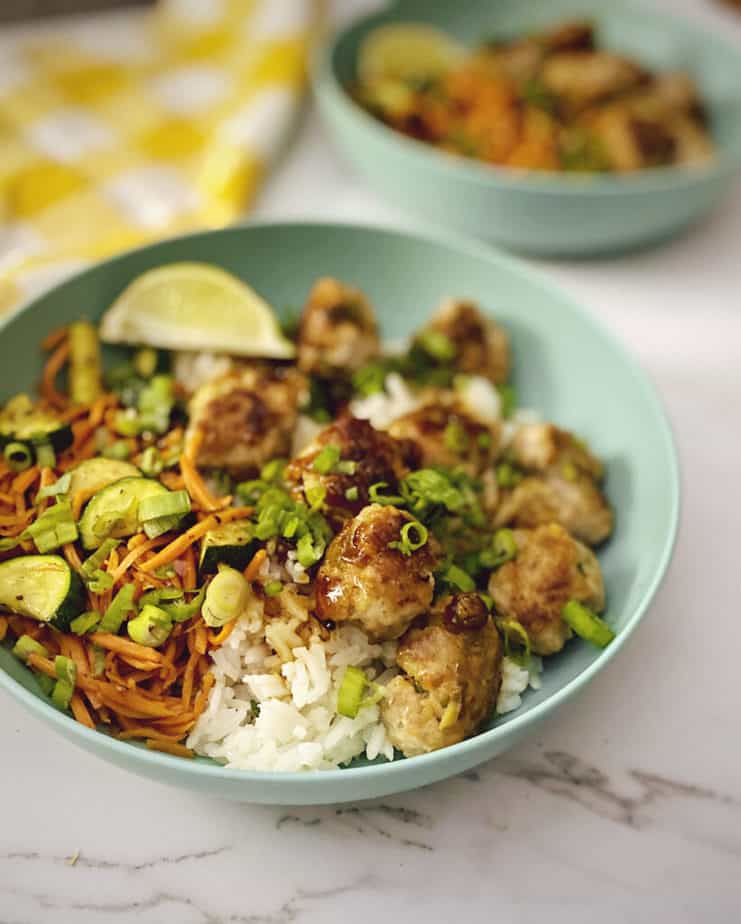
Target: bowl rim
[
  {"x": 331, "y": 93},
  {"x": 100, "y": 742}
]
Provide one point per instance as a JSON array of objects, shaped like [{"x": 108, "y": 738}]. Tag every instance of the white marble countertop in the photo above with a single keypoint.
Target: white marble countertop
[{"x": 625, "y": 807}]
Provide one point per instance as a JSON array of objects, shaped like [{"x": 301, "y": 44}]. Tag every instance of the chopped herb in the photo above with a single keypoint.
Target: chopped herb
[
  {"x": 507, "y": 475},
  {"x": 352, "y": 494},
  {"x": 376, "y": 495},
  {"x": 436, "y": 345},
  {"x": 327, "y": 458},
  {"x": 412, "y": 537},
  {"x": 456, "y": 577},
  {"x": 272, "y": 588},
  {"x": 508, "y": 398},
  {"x": 455, "y": 437}
]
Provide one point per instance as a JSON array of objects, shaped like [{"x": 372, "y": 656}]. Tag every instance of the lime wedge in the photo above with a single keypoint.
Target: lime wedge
[
  {"x": 405, "y": 51},
  {"x": 194, "y": 306}
]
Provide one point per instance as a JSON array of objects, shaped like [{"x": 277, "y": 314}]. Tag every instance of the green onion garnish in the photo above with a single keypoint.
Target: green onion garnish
[
  {"x": 91, "y": 569},
  {"x": 174, "y": 503},
  {"x": 18, "y": 456},
  {"x": 507, "y": 475},
  {"x": 483, "y": 440},
  {"x": 457, "y": 577},
  {"x": 587, "y": 624},
  {"x": 119, "y": 608},
  {"x": 65, "y": 668},
  {"x": 45, "y": 455},
  {"x": 26, "y": 646},
  {"x": 350, "y": 694},
  {"x": 508, "y": 397},
  {"x": 455, "y": 437},
  {"x": 118, "y": 450},
  {"x": 272, "y": 588},
  {"x": 352, "y": 494},
  {"x": 46, "y": 684},
  {"x": 376, "y": 495},
  {"x": 227, "y": 597},
  {"x": 145, "y": 362},
  {"x": 60, "y": 486},
  {"x": 413, "y": 536},
  {"x": 315, "y": 495},
  {"x": 504, "y": 549},
  {"x": 514, "y": 631},
  {"x": 150, "y": 462},
  {"x": 326, "y": 460},
  {"x": 62, "y": 694},
  {"x": 54, "y": 528},
  {"x": 273, "y": 470},
  {"x": 309, "y": 550},
  {"x": 85, "y": 623},
  {"x": 437, "y": 345},
  {"x": 151, "y": 627}
]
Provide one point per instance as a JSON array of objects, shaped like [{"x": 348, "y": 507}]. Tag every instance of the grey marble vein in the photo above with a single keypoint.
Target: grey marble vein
[{"x": 83, "y": 861}]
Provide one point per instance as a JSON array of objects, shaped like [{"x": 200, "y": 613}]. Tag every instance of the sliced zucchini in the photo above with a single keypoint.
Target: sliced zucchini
[
  {"x": 22, "y": 422},
  {"x": 232, "y": 544},
  {"x": 114, "y": 511},
  {"x": 93, "y": 475},
  {"x": 42, "y": 587}
]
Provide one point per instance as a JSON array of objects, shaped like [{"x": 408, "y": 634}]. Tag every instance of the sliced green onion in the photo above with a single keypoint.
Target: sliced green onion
[
  {"x": 65, "y": 668},
  {"x": 514, "y": 631},
  {"x": 437, "y": 345},
  {"x": 273, "y": 470},
  {"x": 26, "y": 646},
  {"x": 507, "y": 475},
  {"x": 413, "y": 536},
  {"x": 60, "y": 486},
  {"x": 150, "y": 462},
  {"x": 181, "y": 611},
  {"x": 174, "y": 503},
  {"x": 54, "y": 528},
  {"x": 99, "y": 557},
  {"x": 315, "y": 495},
  {"x": 309, "y": 550},
  {"x": 457, "y": 577},
  {"x": 62, "y": 694},
  {"x": 273, "y": 588},
  {"x": 126, "y": 423},
  {"x": 99, "y": 656},
  {"x": 346, "y": 467},
  {"x": 376, "y": 495},
  {"x": 508, "y": 398},
  {"x": 119, "y": 608},
  {"x": 227, "y": 597},
  {"x": 156, "y": 401},
  {"x": 504, "y": 549},
  {"x": 587, "y": 624},
  {"x": 350, "y": 694},
  {"x": 483, "y": 441},
  {"x": 118, "y": 450},
  {"x": 85, "y": 623},
  {"x": 326, "y": 460},
  {"x": 99, "y": 582},
  {"x": 160, "y": 525},
  {"x": 352, "y": 494},
  {"x": 487, "y": 601},
  {"x": 151, "y": 627},
  {"x": 370, "y": 379},
  {"x": 46, "y": 684},
  {"x": 45, "y": 455},
  {"x": 455, "y": 437},
  {"x": 84, "y": 363},
  {"x": 145, "y": 362},
  {"x": 18, "y": 456}
]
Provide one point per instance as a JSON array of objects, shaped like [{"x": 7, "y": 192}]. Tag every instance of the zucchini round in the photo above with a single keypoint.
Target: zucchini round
[
  {"x": 42, "y": 587},
  {"x": 114, "y": 511},
  {"x": 22, "y": 422},
  {"x": 93, "y": 475},
  {"x": 232, "y": 544}
]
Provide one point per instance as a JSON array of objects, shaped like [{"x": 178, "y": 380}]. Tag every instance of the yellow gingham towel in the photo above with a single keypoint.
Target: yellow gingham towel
[{"x": 116, "y": 130}]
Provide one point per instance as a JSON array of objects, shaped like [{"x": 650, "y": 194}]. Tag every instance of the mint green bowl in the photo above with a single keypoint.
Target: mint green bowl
[
  {"x": 566, "y": 365},
  {"x": 541, "y": 213}
]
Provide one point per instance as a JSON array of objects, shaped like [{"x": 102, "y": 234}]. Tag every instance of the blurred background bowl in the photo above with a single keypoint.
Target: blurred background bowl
[{"x": 542, "y": 213}]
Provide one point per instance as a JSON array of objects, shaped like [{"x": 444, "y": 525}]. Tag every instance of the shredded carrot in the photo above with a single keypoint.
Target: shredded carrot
[
  {"x": 21, "y": 483},
  {"x": 42, "y": 665},
  {"x": 173, "y": 481},
  {"x": 136, "y": 540},
  {"x": 176, "y": 548},
  {"x": 169, "y": 747},
  {"x": 196, "y": 487},
  {"x": 3, "y": 627},
  {"x": 80, "y": 498},
  {"x": 189, "y": 570},
  {"x": 253, "y": 569},
  {"x": 189, "y": 676},
  {"x": 80, "y": 712},
  {"x": 53, "y": 339},
  {"x": 194, "y": 444},
  {"x": 136, "y": 553},
  {"x": 216, "y": 639},
  {"x": 51, "y": 370},
  {"x": 73, "y": 648},
  {"x": 123, "y": 646},
  {"x": 73, "y": 559}
]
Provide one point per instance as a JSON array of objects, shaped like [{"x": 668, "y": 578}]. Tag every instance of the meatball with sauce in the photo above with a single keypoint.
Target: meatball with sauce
[
  {"x": 479, "y": 346},
  {"x": 344, "y": 461},
  {"x": 561, "y": 485},
  {"x": 246, "y": 417},
  {"x": 338, "y": 331},
  {"x": 451, "y": 677},
  {"x": 366, "y": 579},
  {"x": 447, "y": 435},
  {"x": 550, "y": 569}
]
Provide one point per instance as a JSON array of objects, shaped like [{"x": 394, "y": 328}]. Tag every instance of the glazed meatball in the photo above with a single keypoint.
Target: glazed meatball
[
  {"x": 446, "y": 435},
  {"x": 480, "y": 345},
  {"x": 338, "y": 332},
  {"x": 561, "y": 485},
  {"x": 366, "y": 457},
  {"x": 245, "y": 417},
  {"x": 550, "y": 569},
  {"x": 582, "y": 78},
  {"x": 366, "y": 580},
  {"x": 450, "y": 681}
]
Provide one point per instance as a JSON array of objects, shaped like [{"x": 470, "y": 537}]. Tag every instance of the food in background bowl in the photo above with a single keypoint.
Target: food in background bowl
[
  {"x": 288, "y": 560},
  {"x": 554, "y": 101}
]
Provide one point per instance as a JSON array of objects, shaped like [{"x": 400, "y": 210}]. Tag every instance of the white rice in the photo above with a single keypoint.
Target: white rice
[
  {"x": 383, "y": 408},
  {"x": 515, "y": 681},
  {"x": 192, "y": 370},
  {"x": 298, "y": 727}
]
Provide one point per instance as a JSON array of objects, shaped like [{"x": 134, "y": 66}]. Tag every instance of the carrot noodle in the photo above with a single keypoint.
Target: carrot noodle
[
  {"x": 42, "y": 665},
  {"x": 3, "y": 627},
  {"x": 176, "y": 548},
  {"x": 253, "y": 569},
  {"x": 194, "y": 444},
  {"x": 79, "y": 711},
  {"x": 21, "y": 483},
  {"x": 169, "y": 747},
  {"x": 53, "y": 367},
  {"x": 54, "y": 338},
  {"x": 124, "y": 646},
  {"x": 196, "y": 487},
  {"x": 189, "y": 570},
  {"x": 140, "y": 549},
  {"x": 216, "y": 639},
  {"x": 73, "y": 559}
]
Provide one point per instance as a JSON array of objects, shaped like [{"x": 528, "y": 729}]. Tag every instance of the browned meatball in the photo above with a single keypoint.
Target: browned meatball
[
  {"x": 451, "y": 679},
  {"x": 364, "y": 579},
  {"x": 446, "y": 435},
  {"x": 481, "y": 346},
  {"x": 582, "y": 78},
  {"x": 338, "y": 331},
  {"x": 550, "y": 569},
  {"x": 561, "y": 485},
  {"x": 367, "y": 457},
  {"x": 246, "y": 417}
]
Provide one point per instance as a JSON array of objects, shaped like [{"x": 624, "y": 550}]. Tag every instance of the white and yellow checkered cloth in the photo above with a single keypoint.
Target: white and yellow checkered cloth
[{"x": 118, "y": 130}]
